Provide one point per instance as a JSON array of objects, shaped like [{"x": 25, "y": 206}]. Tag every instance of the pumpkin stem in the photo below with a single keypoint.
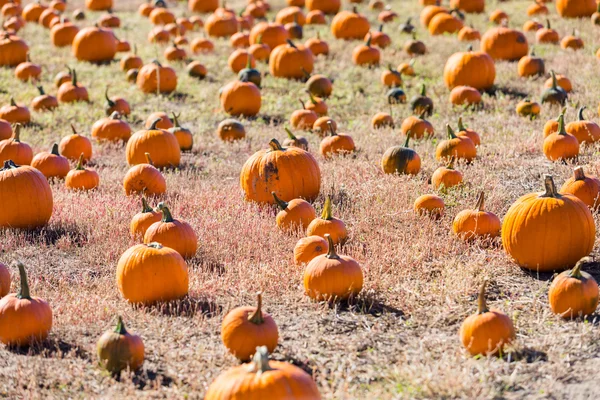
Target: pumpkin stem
[
  {"x": 480, "y": 202},
  {"x": 368, "y": 42},
  {"x": 260, "y": 361},
  {"x": 291, "y": 43},
  {"x": 275, "y": 145},
  {"x": 306, "y": 74},
  {"x": 55, "y": 149},
  {"x": 481, "y": 304},
  {"x": 576, "y": 271},
  {"x": 331, "y": 252},
  {"x": 548, "y": 24},
  {"x": 554, "y": 84},
  {"x": 461, "y": 127},
  {"x": 154, "y": 123},
  {"x": 407, "y": 138},
  {"x": 175, "y": 121},
  {"x": 149, "y": 159},
  {"x": 290, "y": 134},
  {"x": 282, "y": 204},
  {"x": 380, "y": 27},
  {"x": 74, "y": 77},
  {"x": 120, "y": 328},
  {"x": 80, "y": 163},
  {"x": 157, "y": 63},
  {"x": 423, "y": 90},
  {"x": 578, "y": 174},
  {"x": 330, "y": 125},
  {"x": 167, "y": 217},
  {"x": 74, "y": 130},
  {"x": 145, "y": 206},
  {"x": 303, "y": 105},
  {"x": 311, "y": 97},
  {"x": 561, "y": 125},
  {"x": 451, "y": 163},
  {"x": 154, "y": 245},
  {"x": 326, "y": 214},
  {"x": 24, "y": 291},
  {"x": 9, "y": 164},
  {"x": 257, "y": 316},
  {"x": 423, "y": 112},
  {"x": 470, "y": 48},
  {"x": 41, "y": 90},
  {"x": 451, "y": 134},
  {"x": 580, "y": 113},
  {"x": 550, "y": 187},
  {"x": 110, "y": 102},
  {"x": 249, "y": 61},
  {"x": 17, "y": 133},
  {"x": 12, "y": 102}
]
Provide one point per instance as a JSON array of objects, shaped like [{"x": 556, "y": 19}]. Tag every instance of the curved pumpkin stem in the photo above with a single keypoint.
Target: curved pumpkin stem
[
  {"x": 145, "y": 206},
  {"x": 249, "y": 61},
  {"x": 291, "y": 44},
  {"x": 108, "y": 100},
  {"x": 422, "y": 115},
  {"x": 74, "y": 77},
  {"x": 481, "y": 303},
  {"x": 548, "y": 24},
  {"x": 9, "y": 164},
  {"x": 423, "y": 90},
  {"x": 303, "y": 105},
  {"x": 369, "y": 38},
  {"x": 17, "y": 133},
  {"x": 578, "y": 174},
  {"x": 330, "y": 125},
  {"x": 561, "y": 125},
  {"x": 80, "y": 163},
  {"x": 331, "y": 254},
  {"x": 148, "y": 159},
  {"x": 451, "y": 134},
  {"x": 580, "y": 113},
  {"x": 154, "y": 123},
  {"x": 260, "y": 361},
  {"x": 55, "y": 149},
  {"x": 275, "y": 145},
  {"x": 576, "y": 271},
  {"x": 380, "y": 28},
  {"x": 41, "y": 90},
  {"x": 554, "y": 84},
  {"x": 290, "y": 134},
  {"x": 74, "y": 130},
  {"x": 257, "y": 316},
  {"x": 282, "y": 204},
  {"x": 550, "y": 187},
  {"x": 167, "y": 217},
  {"x": 120, "y": 328},
  {"x": 326, "y": 214},
  {"x": 24, "y": 290},
  {"x": 480, "y": 202}
]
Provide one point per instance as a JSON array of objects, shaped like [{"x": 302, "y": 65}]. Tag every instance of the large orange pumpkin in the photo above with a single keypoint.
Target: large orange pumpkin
[
  {"x": 575, "y": 8},
  {"x": 503, "y": 43},
  {"x": 350, "y": 25},
  {"x": 291, "y": 61},
  {"x": 470, "y": 68},
  {"x": 94, "y": 44}
]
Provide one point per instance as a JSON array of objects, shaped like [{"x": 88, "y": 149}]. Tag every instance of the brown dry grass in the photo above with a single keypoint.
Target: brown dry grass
[{"x": 400, "y": 338}]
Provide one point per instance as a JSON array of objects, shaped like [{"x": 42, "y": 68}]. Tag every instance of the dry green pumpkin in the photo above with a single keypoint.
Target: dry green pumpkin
[
  {"x": 118, "y": 349},
  {"x": 401, "y": 160},
  {"x": 420, "y": 103},
  {"x": 555, "y": 95}
]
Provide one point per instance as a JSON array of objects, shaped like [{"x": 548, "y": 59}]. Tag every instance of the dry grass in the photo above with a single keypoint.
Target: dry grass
[{"x": 400, "y": 338}]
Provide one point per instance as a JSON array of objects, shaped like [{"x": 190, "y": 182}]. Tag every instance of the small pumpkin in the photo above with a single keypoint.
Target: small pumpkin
[
  {"x": 116, "y": 104},
  {"x": 154, "y": 77},
  {"x": 32, "y": 11},
  {"x": 551, "y": 126},
  {"x": 141, "y": 221},
  {"x": 391, "y": 78},
  {"x": 326, "y": 6},
  {"x": 28, "y": 71},
  {"x": 445, "y": 23},
  {"x": 414, "y": 47},
  {"x": 81, "y": 178},
  {"x": 295, "y": 214},
  {"x": 336, "y": 144},
  {"x": 401, "y": 159},
  {"x": 70, "y": 92},
  {"x": 94, "y": 44},
  {"x": 420, "y": 103},
  {"x": 308, "y": 248},
  {"x": 73, "y": 146},
  {"x": 561, "y": 145},
  {"x": 458, "y": 147},
  {"x": 466, "y": 132},
  {"x": 51, "y": 164},
  {"x": 183, "y": 135},
  {"x": 477, "y": 223},
  {"x": 418, "y": 126},
  {"x": 118, "y": 349},
  {"x": 261, "y": 51},
  {"x": 245, "y": 328},
  {"x": 172, "y": 233},
  {"x": 469, "y": 6},
  {"x": 332, "y": 277},
  {"x": 572, "y": 42},
  {"x": 316, "y": 104},
  {"x": 382, "y": 120},
  {"x": 202, "y": 45},
  {"x": 131, "y": 61},
  {"x": 271, "y": 34},
  {"x": 230, "y": 130},
  {"x": 241, "y": 98},
  {"x": 150, "y": 273},
  {"x": 162, "y": 145},
  {"x": 531, "y": 65},
  {"x": 585, "y": 188},
  {"x": 196, "y": 69},
  {"x": 112, "y": 129},
  {"x": 316, "y": 17},
  {"x": 537, "y": 8},
  {"x": 379, "y": 38},
  {"x": 486, "y": 331},
  {"x": 468, "y": 34},
  {"x": 164, "y": 121},
  {"x": 547, "y": 35},
  {"x": 295, "y": 141},
  {"x": 319, "y": 85},
  {"x": 555, "y": 95},
  {"x": 240, "y": 40},
  {"x": 15, "y": 150},
  {"x": 44, "y": 102},
  {"x": 249, "y": 74},
  {"x": 574, "y": 293},
  {"x": 15, "y": 114},
  {"x": 430, "y": 11},
  {"x": 584, "y": 130},
  {"x": 396, "y": 96},
  {"x": 349, "y": 25},
  {"x": 144, "y": 178},
  {"x": 221, "y": 24},
  {"x": 328, "y": 225},
  {"x": 562, "y": 81},
  {"x": 446, "y": 177},
  {"x": 532, "y": 26},
  {"x": 528, "y": 108},
  {"x": 365, "y": 54},
  {"x": 533, "y": 231},
  {"x": 99, "y": 5},
  {"x": 407, "y": 68},
  {"x": 471, "y": 68},
  {"x": 203, "y": 6},
  {"x": 63, "y": 76},
  {"x": 499, "y": 17},
  {"x": 24, "y": 319},
  {"x": 466, "y": 96},
  {"x": 303, "y": 119},
  {"x": 503, "y": 43},
  {"x": 430, "y": 205},
  {"x": 239, "y": 59}
]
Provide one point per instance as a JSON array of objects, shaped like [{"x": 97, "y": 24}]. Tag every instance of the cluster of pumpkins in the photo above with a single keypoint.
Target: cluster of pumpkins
[{"x": 287, "y": 175}]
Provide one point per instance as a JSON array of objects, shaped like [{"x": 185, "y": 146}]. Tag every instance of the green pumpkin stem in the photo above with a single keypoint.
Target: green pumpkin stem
[
  {"x": 17, "y": 133},
  {"x": 451, "y": 134},
  {"x": 580, "y": 113},
  {"x": 561, "y": 125},
  {"x": 282, "y": 204},
  {"x": 554, "y": 84},
  {"x": 331, "y": 254},
  {"x": 120, "y": 328},
  {"x": 423, "y": 90},
  {"x": 548, "y": 24},
  {"x": 257, "y": 316},
  {"x": 260, "y": 361},
  {"x": 576, "y": 271},
  {"x": 291, "y": 43},
  {"x": 145, "y": 206},
  {"x": 55, "y": 149},
  {"x": 80, "y": 163},
  {"x": 41, "y": 90},
  {"x": 249, "y": 61},
  {"x": 290, "y": 134},
  {"x": 326, "y": 213},
  {"x": 24, "y": 290},
  {"x": 74, "y": 77},
  {"x": 166, "y": 213},
  {"x": 12, "y": 102},
  {"x": 154, "y": 123},
  {"x": 481, "y": 303},
  {"x": 550, "y": 187},
  {"x": 380, "y": 27},
  {"x": 578, "y": 174},
  {"x": 480, "y": 202},
  {"x": 303, "y": 105},
  {"x": 275, "y": 145},
  {"x": 461, "y": 127},
  {"x": 331, "y": 130},
  {"x": 408, "y": 134}
]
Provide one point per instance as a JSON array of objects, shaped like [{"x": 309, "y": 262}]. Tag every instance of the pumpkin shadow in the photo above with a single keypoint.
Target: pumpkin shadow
[
  {"x": 186, "y": 307},
  {"x": 303, "y": 365},
  {"x": 50, "y": 235},
  {"x": 149, "y": 378},
  {"x": 274, "y": 120},
  {"x": 52, "y": 348},
  {"x": 205, "y": 262},
  {"x": 179, "y": 96},
  {"x": 366, "y": 305},
  {"x": 526, "y": 354},
  {"x": 591, "y": 267},
  {"x": 494, "y": 91}
]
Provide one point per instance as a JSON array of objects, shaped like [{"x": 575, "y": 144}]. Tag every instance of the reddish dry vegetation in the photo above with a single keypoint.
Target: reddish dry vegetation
[{"x": 399, "y": 337}]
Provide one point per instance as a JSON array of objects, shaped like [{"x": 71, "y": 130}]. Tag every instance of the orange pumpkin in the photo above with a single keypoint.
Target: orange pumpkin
[
  {"x": 585, "y": 188},
  {"x": 239, "y": 59},
  {"x": 430, "y": 205},
  {"x": 164, "y": 123},
  {"x": 173, "y": 233},
  {"x": 321, "y": 126},
  {"x": 6, "y": 131},
  {"x": 24, "y": 319},
  {"x": 572, "y": 42},
  {"x": 295, "y": 214},
  {"x": 271, "y": 34},
  {"x": 28, "y": 71},
  {"x": 446, "y": 177},
  {"x": 63, "y": 76},
  {"x": 13, "y": 50},
  {"x": 328, "y": 225},
  {"x": 418, "y": 127},
  {"x": 32, "y": 11},
  {"x": 336, "y": 144},
  {"x": 73, "y": 146},
  {"x": 303, "y": 119},
  {"x": 144, "y": 178},
  {"x": 70, "y": 92},
  {"x": 154, "y": 77},
  {"x": 584, "y": 130},
  {"x": 466, "y": 132},
  {"x": 379, "y": 38},
  {"x": 468, "y": 34},
  {"x": 444, "y": 23},
  {"x": 44, "y": 102},
  {"x": 15, "y": 150},
  {"x": 99, "y": 5},
  {"x": 94, "y": 44},
  {"x": 533, "y": 231},
  {"x": 291, "y": 61},
  {"x": 51, "y": 164},
  {"x": 499, "y": 17},
  {"x": 532, "y": 26},
  {"x": 391, "y": 78},
  {"x": 531, "y": 65},
  {"x": 203, "y": 6},
  {"x": 470, "y": 68},
  {"x": 230, "y": 130},
  {"x": 382, "y": 120},
  {"x": 195, "y": 69},
  {"x": 15, "y": 114},
  {"x": 350, "y": 25},
  {"x": 141, "y": 221},
  {"x": 5, "y": 280},
  {"x": 560, "y": 145},
  {"x": 574, "y": 293},
  {"x": 112, "y": 129},
  {"x": 81, "y": 178},
  {"x": 575, "y": 9},
  {"x": 316, "y": 17},
  {"x": 537, "y": 8},
  {"x": 160, "y": 144},
  {"x": 465, "y": 96},
  {"x": 365, "y": 54},
  {"x": 221, "y": 24},
  {"x": 150, "y": 273},
  {"x": 458, "y": 147},
  {"x": 477, "y": 223},
  {"x": 561, "y": 81},
  {"x": 401, "y": 159},
  {"x": 429, "y": 12},
  {"x": 469, "y": 6},
  {"x": 547, "y": 34},
  {"x": 116, "y": 104},
  {"x": 161, "y": 16},
  {"x": 326, "y": 6},
  {"x": 503, "y": 43},
  {"x": 241, "y": 98},
  {"x": 308, "y": 248},
  {"x": 414, "y": 47}
]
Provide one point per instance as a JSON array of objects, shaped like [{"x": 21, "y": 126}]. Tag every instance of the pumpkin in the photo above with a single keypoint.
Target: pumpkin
[
  {"x": 162, "y": 146},
  {"x": 585, "y": 131},
  {"x": 161, "y": 16},
  {"x": 444, "y": 23},
  {"x": 382, "y": 120},
  {"x": 303, "y": 119},
  {"x": 316, "y": 104},
  {"x": 349, "y": 25},
  {"x": 503, "y": 43},
  {"x": 446, "y": 177},
  {"x": 32, "y": 11},
  {"x": 466, "y": 132},
  {"x": 51, "y": 164},
  {"x": 271, "y": 34},
  {"x": 308, "y": 248},
  {"x": 468, "y": 6},
  {"x": 429, "y": 12},
  {"x": 471, "y": 68},
  {"x": 81, "y": 178},
  {"x": 164, "y": 123},
  {"x": 528, "y": 108},
  {"x": 379, "y": 38},
  {"x": 15, "y": 114},
  {"x": 328, "y": 225},
  {"x": 10, "y": 8},
  {"x": 487, "y": 331},
  {"x": 145, "y": 9},
  {"x": 230, "y": 130},
  {"x": 555, "y": 95},
  {"x": 28, "y": 71},
  {"x": 533, "y": 231},
  {"x": 221, "y": 24},
  {"x": 531, "y": 65},
  {"x": 143, "y": 220},
  {"x": 572, "y": 42},
  {"x": 172, "y": 233},
  {"x": 154, "y": 78},
  {"x": 321, "y": 126},
  {"x": 376, "y": 5},
  {"x": 418, "y": 126},
  {"x": 175, "y": 53},
  {"x": 99, "y": 5},
  {"x": 336, "y": 144},
  {"x": 73, "y": 146},
  {"x": 5, "y": 280},
  {"x": 290, "y": 14},
  {"x": 131, "y": 61},
  {"x": 78, "y": 15},
  {"x": 195, "y": 69},
  {"x": 532, "y": 26},
  {"x": 112, "y": 129},
  {"x": 70, "y": 92},
  {"x": 150, "y": 273},
  {"x": 396, "y": 96},
  {"x": 477, "y": 223},
  {"x": 24, "y": 319},
  {"x": 94, "y": 44},
  {"x": 465, "y": 96},
  {"x": 261, "y": 51},
  {"x": 245, "y": 328},
  {"x": 262, "y": 379},
  {"x": 144, "y": 178},
  {"x": 116, "y": 104},
  {"x": 420, "y": 103},
  {"x": 62, "y": 77},
  {"x": 468, "y": 34},
  {"x": 326, "y": 6},
  {"x": 203, "y": 6},
  {"x": 365, "y": 54},
  {"x": 239, "y": 59},
  {"x": 459, "y": 147},
  {"x": 295, "y": 141},
  {"x": 561, "y": 81},
  {"x": 239, "y": 40},
  {"x": 13, "y": 50},
  {"x": 291, "y": 61},
  {"x": 295, "y": 214},
  {"x": 391, "y": 78},
  {"x": 15, "y": 150},
  {"x": 318, "y": 85},
  {"x": 401, "y": 159},
  {"x": 387, "y": 16},
  {"x": 159, "y": 35},
  {"x": 547, "y": 34},
  {"x": 585, "y": 188},
  {"x": 275, "y": 169},
  {"x": 537, "y": 8},
  {"x": 407, "y": 69},
  {"x": 331, "y": 276},
  {"x": 183, "y": 135},
  {"x": 575, "y": 8},
  {"x": 256, "y": 9},
  {"x": 109, "y": 20},
  {"x": 498, "y": 17},
  {"x": 430, "y": 205},
  {"x": 574, "y": 293},
  {"x": 241, "y": 98},
  {"x": 551, "y": 126},
  {"x": 561, "y": 145},
  {"x": 414, "y": 47},
  {"x": 13, "y": 24},
  {"x": 6, "y": 131},
  {"x": 43, "y": 102},
  {"x": 118, "y": 349}
]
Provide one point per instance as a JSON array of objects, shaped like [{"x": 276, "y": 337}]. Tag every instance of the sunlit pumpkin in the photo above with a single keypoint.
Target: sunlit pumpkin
[{"x": 574, "y": 293}]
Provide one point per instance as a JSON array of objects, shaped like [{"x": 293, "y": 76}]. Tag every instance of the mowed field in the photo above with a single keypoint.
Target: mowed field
[{"x": 399, "y": 338}]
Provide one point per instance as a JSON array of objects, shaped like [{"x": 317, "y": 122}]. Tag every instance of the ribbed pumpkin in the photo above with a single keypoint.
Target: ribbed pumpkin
[
  {"x": 117, "y": 104},
  {"x": 141, "y": 221},
  {"x": 560, "y": 145},
  {"x": 271, "y": 34},
  {"x": 574, "y": 293},
  {"x": 118, "y": 349},
  {"x": 291, "y": 61},
  {"x": 70, "y": 92},
  {"x": 13, "y": 50},
  {"x": 487, "y": 331},
  {"x": 585, "y": 188},
  {"x": 154, "y": 77},
  {"x": 572, "y": 42},
  {"x": 350, "y": 25},
  {"x": 469, "y": 6},
  {"x": 144, "y": 178},
  {"x": 401, "y": 159},
  {"x": 466, "y": 96},
  {"x": 444, "y": 178},
  {"x": 82, "y": 178},
  {"x": 430, "y": 205},
  {"x": 24, "y": 319},
  {"x": 534, "y": 234},
  {"x": 584, "y": 130},
  {"x": 245, "y": 328},
  {"x": 332, "y": 277},
  {"x": 160, "y": 144},
  {"x": 470, "y": 68},
  {"x": 468, "y": 34},
  {"x": 555, "y": 94},
  {"x": 44, "y": 102},
  {"x": 476, "y": 223},
  {"x": 164, "y": 121},
  {"x": 530, "y": 65},
  {"x": 327, "y": 224},
  {"x": 230, "y": 130},
  {"x": 15, "y": 114},
  {"x": 112, "y": 129},
  {"x": 466, "y": 132},
  {"x": 504, "y": 44},
  {"x": 547, "y": 35},
  {"x": 575, "y": 8},
  {"x": 418, "y": 126},
  {"x": 365, "y": 54},
  {"x": 150, "y": 273},
  {"x": 94, "y": 44},
  {"x": 15, "y": 150},
  {"x": 241, "y": 98},
  {"x": 303, "y": 119},
  {"x": 173, "y": 233},
  {"x": 51, "y": 164},
  {"x": 291, "y": 173},
  {"x": 336, "y": 144},
  {"x": 73, "y": 146},
  {"x": 308, "y": 248},
  {"x": 459, "y": 147},
  {"x": 429, "y": 12},
  {"x": 263, "y": 379},
  {"x": 295, "y": 214},
  {"x": 295, "y": 141}
]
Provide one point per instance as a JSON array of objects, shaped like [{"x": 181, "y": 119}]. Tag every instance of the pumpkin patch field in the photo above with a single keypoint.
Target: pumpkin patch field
[{"x": 299, "y": 199}]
